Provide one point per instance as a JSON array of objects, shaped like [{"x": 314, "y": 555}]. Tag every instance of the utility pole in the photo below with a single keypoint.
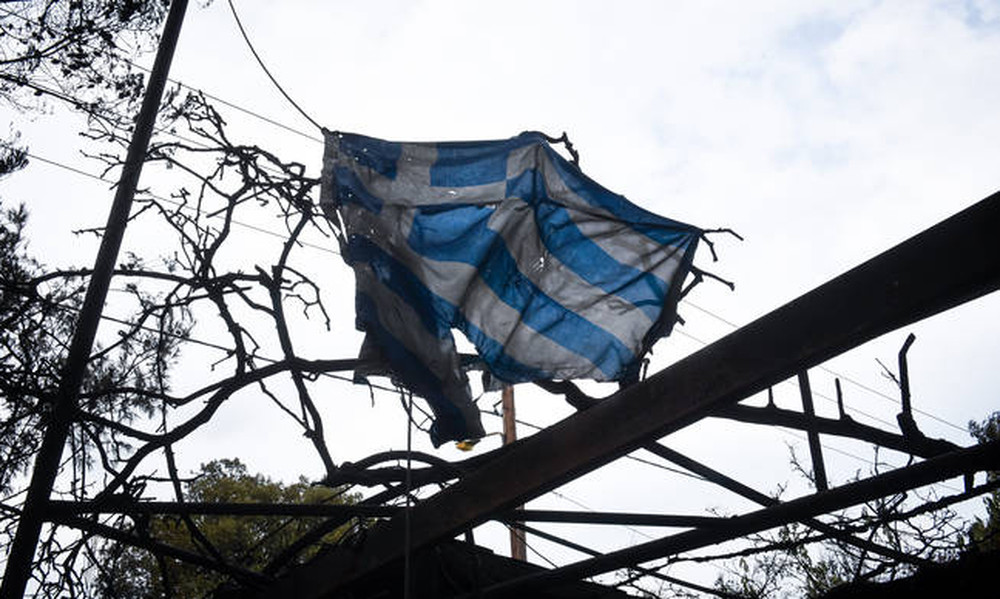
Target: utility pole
[
  {"x": 36, "y": 503},
  {"x": 518, "y": 547}
]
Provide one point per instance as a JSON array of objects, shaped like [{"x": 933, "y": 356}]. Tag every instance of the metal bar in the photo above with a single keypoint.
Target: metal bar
[
  {"x": 617, "y": 518},
  {"x": 888, "y": 291},
  {"x": 710, "y": 474},
  {"x": 973, "y": 459},
  {"x": 762, "y": 499},
  {"x": 923, "y": 447},
  {"x": 904, "y": 375},
  {"x": 815, "y": 451},
  {"x": 225, "y": 509},
  {"x": 110, "y": 532},
  {"x": 653, "y": 572},
  {"x": 22, "y": 550}
]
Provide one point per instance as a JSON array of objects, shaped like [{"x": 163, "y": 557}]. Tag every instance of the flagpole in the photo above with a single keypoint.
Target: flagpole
[
  {"x": 518, "y": 547},
  {"x": 46, "y": 468}
]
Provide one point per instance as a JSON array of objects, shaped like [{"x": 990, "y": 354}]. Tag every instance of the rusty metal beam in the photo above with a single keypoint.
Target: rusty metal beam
[
  {"x": 953, "y": 262},
  {"x": 741, "y": 489},
  {"x": 923, "y": 447},
  {"x": 224, "y": 509},
  {"x": 615, "y": 518},
  {"x": 974, "y": 459}
]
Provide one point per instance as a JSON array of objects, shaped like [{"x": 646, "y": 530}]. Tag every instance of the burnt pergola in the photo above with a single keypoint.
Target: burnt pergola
[
  {"x": 883, "y": 294},
  {"x": 412, "y": 550}
]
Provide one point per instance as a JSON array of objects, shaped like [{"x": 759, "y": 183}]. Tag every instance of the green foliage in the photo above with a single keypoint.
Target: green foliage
[
  {"x": 984, "y": 534},
  {"x": 248, "y": 542}
]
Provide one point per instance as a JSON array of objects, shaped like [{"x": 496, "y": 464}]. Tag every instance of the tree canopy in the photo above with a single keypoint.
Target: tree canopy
[
  {"x": 248, "y": 542},
  {"x": 76, "y": 51}
]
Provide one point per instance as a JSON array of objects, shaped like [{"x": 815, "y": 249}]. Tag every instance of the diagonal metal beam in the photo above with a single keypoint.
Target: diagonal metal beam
[
  {"x": 887, "y": 292},
  {"x": 653, "y": 572},
  {"x": 615, "y": 518},
  {"x": 923, "y": 447},
  {"x": 756, "y": 496},
  {"x": 957, "y": 463}
]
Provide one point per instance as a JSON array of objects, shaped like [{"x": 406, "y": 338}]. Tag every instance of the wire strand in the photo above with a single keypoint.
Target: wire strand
[
  {"x": 267, "y": 71},
  {"x": 173, "y": 202}
]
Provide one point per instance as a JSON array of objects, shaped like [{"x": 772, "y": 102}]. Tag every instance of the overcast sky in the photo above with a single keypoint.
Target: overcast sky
[{"x": 823, "y": 133}]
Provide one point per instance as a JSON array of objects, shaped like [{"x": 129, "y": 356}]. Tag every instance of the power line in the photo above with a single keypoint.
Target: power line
[
  {"x": 173, "y": 202},
  {"x": 267, "y": 71}
]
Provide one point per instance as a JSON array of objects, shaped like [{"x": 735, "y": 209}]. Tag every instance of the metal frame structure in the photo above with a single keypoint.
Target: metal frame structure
[{"x": 885, "y": 293}]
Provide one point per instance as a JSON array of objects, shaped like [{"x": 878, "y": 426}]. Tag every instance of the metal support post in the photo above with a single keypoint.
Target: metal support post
[{"x": 815, "y": 450}]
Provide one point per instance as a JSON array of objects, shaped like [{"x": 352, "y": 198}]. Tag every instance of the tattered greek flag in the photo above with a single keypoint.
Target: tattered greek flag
[{"x": 547, "y": 273}]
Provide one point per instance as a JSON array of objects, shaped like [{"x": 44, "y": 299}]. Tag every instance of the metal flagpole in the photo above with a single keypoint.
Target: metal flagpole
[
  {"x": 22, "y": 551},
  {"x": 518, "y": 549}
]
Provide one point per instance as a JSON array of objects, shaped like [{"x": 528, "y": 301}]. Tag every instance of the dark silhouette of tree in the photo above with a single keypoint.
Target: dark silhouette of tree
[
  {"x": 247, "y": 541},
  {"x": 74, "y": 51},
  {"x": 984, "y": 533}
]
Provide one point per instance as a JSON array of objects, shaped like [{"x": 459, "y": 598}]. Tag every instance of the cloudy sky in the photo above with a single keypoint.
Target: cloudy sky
[{"x": 823, "y": 132}]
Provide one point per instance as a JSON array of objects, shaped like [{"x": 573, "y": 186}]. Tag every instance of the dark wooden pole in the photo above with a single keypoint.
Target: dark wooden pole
[
  {"x": 518, "y": 547},
  {"x": 29, "y": 528}
]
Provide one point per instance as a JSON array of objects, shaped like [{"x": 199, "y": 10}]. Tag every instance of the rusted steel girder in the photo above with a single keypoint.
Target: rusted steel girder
[
  {"x": 921, "y": 446},
  {"x": 958, "y": 463},
  {"x": 173, "y": 508},
  {"x": 951, "y": 263}
]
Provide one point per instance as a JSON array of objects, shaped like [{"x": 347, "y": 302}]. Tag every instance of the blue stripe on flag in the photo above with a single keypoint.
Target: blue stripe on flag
[
  {"x": 350, "y": 190},
  {"x": 498, "y": 268},
  {"x": 376, "y": 154},
  {"x": 449, "y": 423},
  {"x": 435, "y": 312},
  {"x": 469, "y": 163},
  {"x": 452, "y": 230},
  {"x": 660, "y": 229},
  {"x": 581, "y": 255}
]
